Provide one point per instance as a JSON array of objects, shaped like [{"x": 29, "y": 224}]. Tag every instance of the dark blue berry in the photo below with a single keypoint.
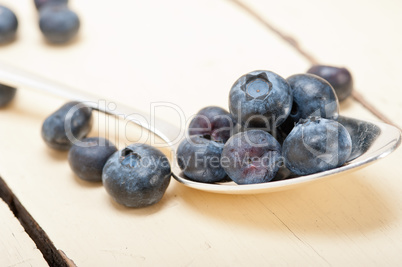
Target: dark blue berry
[
  {"x": 199, "y": 159},
  {"x": 54, "y": 132},
  {"x": 340, "y": 79},
  {"x": 137, "y": 176},
  {"x": 251, "y": 157},
  {"x": 8, "y": 25},
  {"x": 312, "y": 96},
  {"x": 41, "y": 3},
  {"x": 260, "y": 99},
  {"x": 7, "y": 94},
  {"x": 88, "y": 157},
  {"x": 58, "y": 23},
  {"x": 316, "y": 145},
  {"x": 213, "y": 122}
]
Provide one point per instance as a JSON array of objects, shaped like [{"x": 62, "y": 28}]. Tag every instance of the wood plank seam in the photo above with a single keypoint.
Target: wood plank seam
[
  {"x": 50, "y": 253},
  {"x": 295, "y": 44}
]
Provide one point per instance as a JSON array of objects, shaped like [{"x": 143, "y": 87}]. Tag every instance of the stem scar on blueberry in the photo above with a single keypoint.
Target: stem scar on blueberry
[
  {"x": 129, "y": 158},
  {"x": 256, "y": 86}
]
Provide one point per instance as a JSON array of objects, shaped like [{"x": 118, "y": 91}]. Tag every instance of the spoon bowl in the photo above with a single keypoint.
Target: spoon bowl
[{"x": 371, "y": 141}]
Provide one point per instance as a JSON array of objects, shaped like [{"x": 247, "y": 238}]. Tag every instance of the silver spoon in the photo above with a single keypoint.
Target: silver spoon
[{"x": 371, "y": 140}]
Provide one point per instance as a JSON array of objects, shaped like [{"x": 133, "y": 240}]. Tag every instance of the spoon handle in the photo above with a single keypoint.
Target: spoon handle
[{"x": 18, "y": 78}]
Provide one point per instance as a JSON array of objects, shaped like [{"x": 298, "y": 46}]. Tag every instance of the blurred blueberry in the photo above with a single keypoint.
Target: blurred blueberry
[
  {"x": 88, "y": 157},
  {"x": 199, "y": 159},
  {"x": 137, "y": 176},
  {"x": 8, "y": 25},
  {"x": 58, "y": 23},
  {"x": 7, "y": 94},
  {"x": 340, "y": 79},
  {"x": 41, "y": 3},
  {"x": 315, "y": 145},
  {"x": 251, "y": 157},
  {"x": 213, "y": 122},
  {"x": 54, "y": 132},
  {"x": 260, "y": 99}
]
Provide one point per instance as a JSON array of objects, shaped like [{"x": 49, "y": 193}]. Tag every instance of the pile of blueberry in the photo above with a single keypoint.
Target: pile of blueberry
[
  {"x": 275, "y": 128},
  {"x": 57, "y": 22},
  {"x": 136, "y": 176}
]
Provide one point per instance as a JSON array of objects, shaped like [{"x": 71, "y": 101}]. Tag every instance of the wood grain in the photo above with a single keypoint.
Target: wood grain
[
  {"x": 34, "y": 232},
  {"x": 16, "y": 248},
  {"x": 357, "y": 96},
  {"x": 358, "y": 35}
]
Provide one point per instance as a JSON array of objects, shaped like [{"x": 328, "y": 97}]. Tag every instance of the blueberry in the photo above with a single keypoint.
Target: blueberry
[
  {"x": 41, "y": 3},
  {"x": 54, "y": 132},
  {"x": 312, "y": 96},
  {"x": 340, "y": 79},
  {"x": 7, "y": 94},
  {"x": 251, "y": 157},
  {"x": 315, "y": 145},
  {"x": 137, "y": 176},
  {"x": 260, "y": 99},
  {"x": 88, "y": 157},
  {"x": 58, "y": 23},
  {"x": 213, "y": 122},
  {"x": 8, "y": 25},
  {"x": 199, "y": 159}
]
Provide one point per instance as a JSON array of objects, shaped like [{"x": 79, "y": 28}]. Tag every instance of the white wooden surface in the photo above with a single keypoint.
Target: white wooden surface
[
  {"x": 362, "y": 35},
  {"x": 189, "y": 53},
  {"x": 16, "y": 248}
]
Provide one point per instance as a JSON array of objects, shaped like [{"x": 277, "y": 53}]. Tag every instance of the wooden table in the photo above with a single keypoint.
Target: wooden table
[{"x": 188, "y": 54}]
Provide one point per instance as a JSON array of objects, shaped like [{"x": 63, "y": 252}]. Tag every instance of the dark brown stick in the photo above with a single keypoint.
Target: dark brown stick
[
  {"x": 290, "y": 40},
  {"x": 359, "y": 98},
  {"x": 35, "y": 232}
]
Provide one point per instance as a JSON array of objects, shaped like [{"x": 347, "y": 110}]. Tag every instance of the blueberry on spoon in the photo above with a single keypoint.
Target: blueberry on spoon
[
  {"x": 312, "y": 96},
  {"x": 199, "y": 159},
  {"x": 251, "y": 157},
  {"x": 315, "y": 145},
  {"x": 260, "y": 99},
  {"x": 214, "y": 122},
  {"x": 340, "y": 79}
]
